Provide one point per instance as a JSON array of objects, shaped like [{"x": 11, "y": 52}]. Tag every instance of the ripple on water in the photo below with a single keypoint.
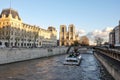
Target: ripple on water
[{"x": 52, "y": 68}]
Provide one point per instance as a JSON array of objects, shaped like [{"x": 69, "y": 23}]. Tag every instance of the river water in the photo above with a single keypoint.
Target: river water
[{"x": 52, "y": 68}]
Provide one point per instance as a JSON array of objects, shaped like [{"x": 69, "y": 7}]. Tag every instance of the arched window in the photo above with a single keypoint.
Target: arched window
[
  {"x": 62, "y": 29},
  {"x": 62, "y": 43},
  {"x": 6, "y": 44},
  {"x": 71, "y": 29}
]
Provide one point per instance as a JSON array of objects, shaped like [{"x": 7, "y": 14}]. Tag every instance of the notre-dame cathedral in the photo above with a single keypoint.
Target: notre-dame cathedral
[{"x": 67, "y": 37}]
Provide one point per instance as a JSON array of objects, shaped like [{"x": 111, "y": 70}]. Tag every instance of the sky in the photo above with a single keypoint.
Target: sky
[{"x": 90, "y": 17}]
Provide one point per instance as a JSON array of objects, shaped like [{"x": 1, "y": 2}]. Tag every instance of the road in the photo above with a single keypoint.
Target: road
[{"x": 52, "y": 68}]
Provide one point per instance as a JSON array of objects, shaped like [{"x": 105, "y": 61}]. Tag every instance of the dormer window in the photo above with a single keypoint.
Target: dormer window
[
  {"x": 10, "y": 13},
  {"x": 16, "y": 17}
]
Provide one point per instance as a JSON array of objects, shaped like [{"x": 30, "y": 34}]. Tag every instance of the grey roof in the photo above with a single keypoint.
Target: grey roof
[{"x": 7, "y": 12}]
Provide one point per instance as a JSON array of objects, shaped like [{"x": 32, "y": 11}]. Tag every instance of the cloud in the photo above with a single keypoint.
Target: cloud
[
  {"x": 108, "y": 29},
  {"x": 99, "y": 33},
  {"x": 80, "y": 31}
]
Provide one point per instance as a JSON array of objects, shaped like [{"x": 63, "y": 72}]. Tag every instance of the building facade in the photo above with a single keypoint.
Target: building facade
[
  {"x": 13, "y": 32},
  {"x": 117, "y": 36},
  {"x": 114, "y": 36},
  {"x": 67, "y": 38}
]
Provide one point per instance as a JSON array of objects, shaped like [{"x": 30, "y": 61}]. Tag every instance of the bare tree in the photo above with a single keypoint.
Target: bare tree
[
  {"x": 84, "y": 41},
  {"x": 22, "y": 37},
  {"x": 99, "y": 40},
  {"x": 76, "y": 43},
  {"x": 8, "y": 31},
  {"x": 17, "y": 41},
  {"x": 35, "y": 38},
  {"x": 29, "y": 39}
]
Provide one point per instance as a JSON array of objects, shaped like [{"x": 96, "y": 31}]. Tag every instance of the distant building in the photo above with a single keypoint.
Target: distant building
[
  {"x": 13, "y": 32},
  {"x": 117, "y": 35},
  {"x": 114, "y": 36},
  {"x": 67, "y": 38}
]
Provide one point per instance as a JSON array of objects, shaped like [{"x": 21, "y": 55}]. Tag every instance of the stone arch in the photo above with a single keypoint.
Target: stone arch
[
  {"x": 0, "y": 43},
  {"x": 6, "y": 44},
  {"x": 62, "y": 43}
]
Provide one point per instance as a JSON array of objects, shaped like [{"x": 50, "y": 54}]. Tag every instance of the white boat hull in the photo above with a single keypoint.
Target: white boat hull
[{"x": 72, "y": 60}]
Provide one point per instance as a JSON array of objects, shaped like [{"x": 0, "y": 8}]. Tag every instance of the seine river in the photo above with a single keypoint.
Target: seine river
[{"x": 52, "y": 68}]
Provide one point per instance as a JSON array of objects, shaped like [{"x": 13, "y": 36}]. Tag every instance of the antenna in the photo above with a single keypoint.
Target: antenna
[{"x": 10, "y": 6}]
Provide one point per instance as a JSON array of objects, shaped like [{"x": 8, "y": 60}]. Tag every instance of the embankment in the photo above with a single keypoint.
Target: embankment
[
  {"x": 111, "y": 65},
  {"x": 8, "y": 55}
]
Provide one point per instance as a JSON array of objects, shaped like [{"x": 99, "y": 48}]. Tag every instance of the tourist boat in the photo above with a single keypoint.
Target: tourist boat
[{"x": 72, "y": 60}]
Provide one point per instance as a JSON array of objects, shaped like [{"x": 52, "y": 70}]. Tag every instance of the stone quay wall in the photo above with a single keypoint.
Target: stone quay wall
[
  {"x": 114, "y": 72},
  {"x": 8, "y": 55}
]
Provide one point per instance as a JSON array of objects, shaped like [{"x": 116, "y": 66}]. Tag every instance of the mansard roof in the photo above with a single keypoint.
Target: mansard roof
[{"x": 6, "y": 12}]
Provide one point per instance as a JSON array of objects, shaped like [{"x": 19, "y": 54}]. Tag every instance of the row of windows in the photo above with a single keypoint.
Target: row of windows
[
  {"x": 6, "y": 33},
  {"x": 18, "y": 44},
  {"x": 25, "y": 27},
  {"x": 7, "y": 23},
  {"x": 63, "y": 29},
  {"x": 15, "y": 29},
  {"x": 11, "y": 31},
  {"x": 67, "y": 38},
  {"x": 25, "y": 31},
  {"x": 22, "y": 44},
  {"x": 17, "y": 32},
  {"x": 17, "y": 39}
]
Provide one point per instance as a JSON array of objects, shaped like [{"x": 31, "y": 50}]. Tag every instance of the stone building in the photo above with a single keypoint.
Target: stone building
[
  {"x": 14, "y": 32},
  {"x": 114, "y": 36},
  {"x": 117, "y": 35},
  {"x": 67, "y": 38}
]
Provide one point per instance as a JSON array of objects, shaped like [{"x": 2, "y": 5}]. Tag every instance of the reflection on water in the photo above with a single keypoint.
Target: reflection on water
[{"x": 52, "y": 68}]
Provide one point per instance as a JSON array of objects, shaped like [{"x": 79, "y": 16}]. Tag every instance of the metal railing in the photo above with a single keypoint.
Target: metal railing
[{"x": 113, "y": 53}]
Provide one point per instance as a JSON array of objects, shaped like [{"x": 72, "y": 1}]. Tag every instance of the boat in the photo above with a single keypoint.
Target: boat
[{"x": 72, "y": 60}]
